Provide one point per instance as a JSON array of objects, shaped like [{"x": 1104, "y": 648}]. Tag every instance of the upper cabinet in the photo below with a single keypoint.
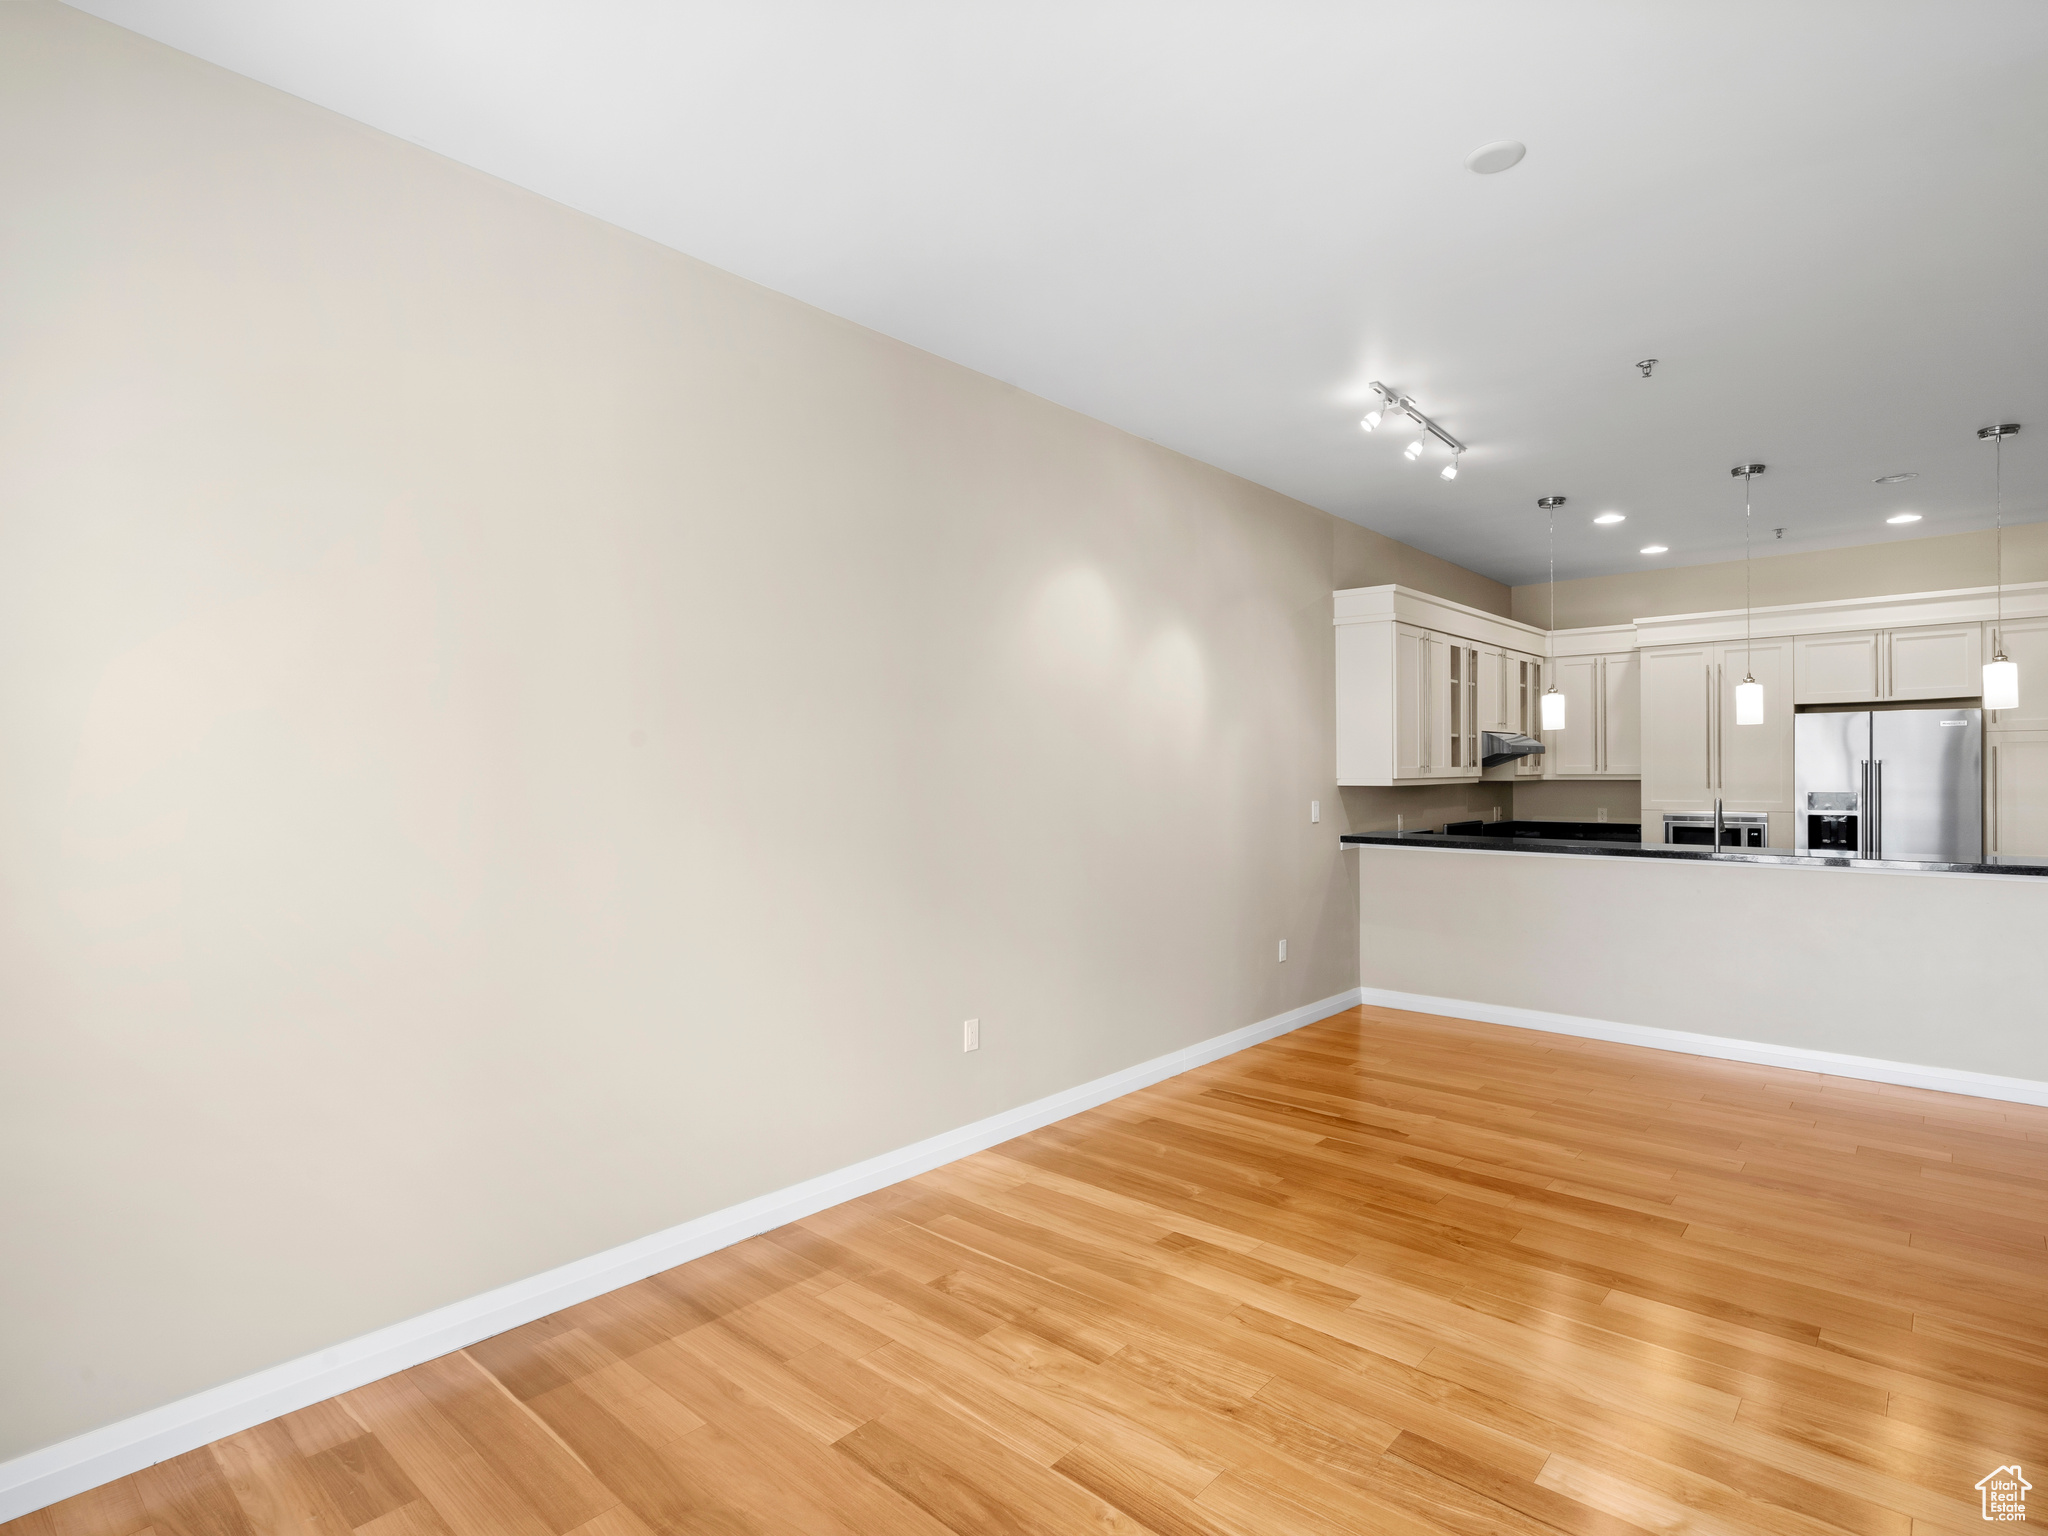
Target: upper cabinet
[
  {"x": 1621, "y": 715},
  {"x": 2026, "y": 642},
  {"x": 1436, "y": 707},
  {"x": 1602, "y": 735},
  {"x": 1420, "y": 681},
  {"x": 1869, "y": 666},
  {"x": 1836, "y": 669}
]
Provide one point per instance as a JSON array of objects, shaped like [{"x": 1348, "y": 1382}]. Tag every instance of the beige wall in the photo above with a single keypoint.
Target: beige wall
[
  {"x": 1818, "y": 576},
  {"x": 1368, "y": 559},
  {"x": 1425, "y": 806},
  {"x": 511, "y": 739},
  {"x": 1580, "y": 800},
  {"x": 1925, "y": 969}
]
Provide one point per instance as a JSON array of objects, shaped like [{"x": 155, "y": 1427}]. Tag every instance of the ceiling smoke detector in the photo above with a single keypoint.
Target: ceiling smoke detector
[{"x": 1501, "y": 155}]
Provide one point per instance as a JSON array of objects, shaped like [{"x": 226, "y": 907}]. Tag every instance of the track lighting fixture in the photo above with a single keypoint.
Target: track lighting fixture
[
  {"x": 2001, "y": 676},
  {"x": 1749, "y": 693},
  {"x": 1390, "y": 404},
  {"x": 1552, "y": 703}
]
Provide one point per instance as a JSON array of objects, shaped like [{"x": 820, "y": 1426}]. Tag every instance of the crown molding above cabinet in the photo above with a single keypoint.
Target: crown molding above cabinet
[
  {"x": 1366, "y": 605},
  {"x": 1908, "y": 610}
]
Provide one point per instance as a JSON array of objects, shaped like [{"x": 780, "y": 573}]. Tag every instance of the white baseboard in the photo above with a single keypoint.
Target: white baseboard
[
  {"x": 56, "y": 1472},
  {"x": 1982, "y": 1085}
]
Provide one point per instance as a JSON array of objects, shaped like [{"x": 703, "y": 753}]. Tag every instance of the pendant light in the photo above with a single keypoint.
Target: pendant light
[
  {"x": 2001, "y": 677},
  {"x": 1553, "y": 701},
  {"x": 1749, "y": 693}
]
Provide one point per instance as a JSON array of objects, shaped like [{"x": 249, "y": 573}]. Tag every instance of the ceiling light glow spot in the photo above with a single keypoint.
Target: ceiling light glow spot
[
  {"x": 1655, "y": 549},
  {"x": 1608, "y": 519},
  {"x": 1903, "y": 517}
]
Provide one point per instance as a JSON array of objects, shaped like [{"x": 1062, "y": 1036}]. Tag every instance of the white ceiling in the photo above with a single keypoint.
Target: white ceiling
[{"x": 1211, "y": 223}]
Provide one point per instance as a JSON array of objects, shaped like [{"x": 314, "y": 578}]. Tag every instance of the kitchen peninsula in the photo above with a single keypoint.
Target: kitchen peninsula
[
  {"x": 1619, "y": 847},
  {"x": 1927, "y": 977},
  {"x": 1630, "y": 934}
]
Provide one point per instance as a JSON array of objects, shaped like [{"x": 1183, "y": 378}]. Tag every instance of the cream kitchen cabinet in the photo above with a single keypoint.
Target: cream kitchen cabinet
[
  {"x": 1602, "y": 734},
  {"x": 1525, "y": 677},
  {"x": 1421, "y": 680},
  {"x": 1510, "y": 683},
  {"x": 2016, "y": 792},
  {"x": 1694, "y": 753},
  {"x": 1436, "y": 706},
  {"x": 1936, "y": 661},
  {"x": 2026, "y": 642},
  {"x": 1621, "y": 716},
  {"x": 1493, "y": 689}
]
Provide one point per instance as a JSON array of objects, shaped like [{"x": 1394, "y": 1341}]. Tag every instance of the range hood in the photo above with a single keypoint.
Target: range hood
[{"x": 1497, "y": 747}]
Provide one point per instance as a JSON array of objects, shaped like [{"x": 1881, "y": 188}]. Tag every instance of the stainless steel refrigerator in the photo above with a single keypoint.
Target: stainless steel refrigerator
[{"x": 1890, "y": 783}]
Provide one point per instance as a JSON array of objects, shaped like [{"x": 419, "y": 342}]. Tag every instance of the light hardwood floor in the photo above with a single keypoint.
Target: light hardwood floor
[{"x": 1390, "y": 1273}]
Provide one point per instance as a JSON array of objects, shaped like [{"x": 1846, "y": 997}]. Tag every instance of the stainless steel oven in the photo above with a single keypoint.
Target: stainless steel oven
[{"x": 1739, "y": 829}]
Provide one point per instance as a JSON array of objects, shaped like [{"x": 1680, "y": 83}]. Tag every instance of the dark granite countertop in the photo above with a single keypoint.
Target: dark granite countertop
[{"x": 1690, "y": 854}]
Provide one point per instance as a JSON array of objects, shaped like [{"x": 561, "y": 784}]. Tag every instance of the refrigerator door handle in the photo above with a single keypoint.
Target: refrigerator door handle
[
  {"x": 1877, "y": 808},
  {"x": 1863, "y": 809}
]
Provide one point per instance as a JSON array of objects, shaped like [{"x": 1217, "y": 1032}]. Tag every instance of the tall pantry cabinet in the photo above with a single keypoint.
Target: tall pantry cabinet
[
  {"x": 1695, "y": 753},
  {"x": 2016, "y": 747}
]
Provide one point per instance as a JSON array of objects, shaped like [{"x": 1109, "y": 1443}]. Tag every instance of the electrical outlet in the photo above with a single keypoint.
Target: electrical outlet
[
  {"x": 1283, "y": 951},
  {"x": 1315, "y": 810},
  {"x": 970, "y": 1035},
  {"x": 1603, "y": 813}
]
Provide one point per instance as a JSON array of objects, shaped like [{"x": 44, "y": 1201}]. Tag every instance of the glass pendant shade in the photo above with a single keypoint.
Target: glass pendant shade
[
  {"x": 2001, "y": 684},
  {"x": 1749, "y": 702},
  {"x": 1553, "y": 711}
]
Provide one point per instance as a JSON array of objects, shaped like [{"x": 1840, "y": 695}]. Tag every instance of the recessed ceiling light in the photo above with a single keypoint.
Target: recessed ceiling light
[
  {"x": 1904, "y": 517},
  {"x": 1911, "y": 474},
  {"x": 1655, "y": 549},
  {"x": 1608, "y": 518},
  {"x": 1501, "y": 155}
]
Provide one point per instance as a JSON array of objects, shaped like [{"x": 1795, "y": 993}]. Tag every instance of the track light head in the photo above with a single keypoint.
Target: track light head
[
  {"x": 1372, "y": 418},
  {"x": 1450, "y": 470},
  {"x": 1414, "y": 449}
]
